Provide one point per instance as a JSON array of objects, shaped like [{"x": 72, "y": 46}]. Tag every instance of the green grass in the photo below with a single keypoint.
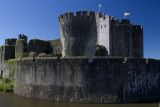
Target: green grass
[
  {"x": 1, "y": 77},
  {"x": 6, "y": 87}
]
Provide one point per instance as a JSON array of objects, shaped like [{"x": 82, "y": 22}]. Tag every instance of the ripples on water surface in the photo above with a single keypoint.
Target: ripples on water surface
[{"x": 11, "y": 100}]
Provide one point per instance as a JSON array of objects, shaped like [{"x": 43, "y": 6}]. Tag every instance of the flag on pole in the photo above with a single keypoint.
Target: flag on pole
[
  {"x": 126, "y": 14},
  {"x": 100, "y": 5}
]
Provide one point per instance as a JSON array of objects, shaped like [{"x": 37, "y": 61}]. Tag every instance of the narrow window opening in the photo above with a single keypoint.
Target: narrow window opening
[
  {"x": 1, "y": 72},
  {"x": 66, "y": 32}
]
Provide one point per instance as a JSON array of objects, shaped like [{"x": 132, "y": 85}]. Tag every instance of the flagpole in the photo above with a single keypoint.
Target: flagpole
[
  {"x": 124, "y": 15},
  {"x": 99, "y": 8}
]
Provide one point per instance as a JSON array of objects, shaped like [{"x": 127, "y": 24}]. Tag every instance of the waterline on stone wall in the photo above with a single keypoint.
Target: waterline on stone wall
[{"x": 12, "y": 100}]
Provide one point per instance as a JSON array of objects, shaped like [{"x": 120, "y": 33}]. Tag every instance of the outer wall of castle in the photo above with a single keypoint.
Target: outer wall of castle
[{"x": 105, "y": 80}]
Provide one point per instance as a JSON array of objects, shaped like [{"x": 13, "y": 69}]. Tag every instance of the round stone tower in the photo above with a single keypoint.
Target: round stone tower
[
  {"x": 21, "y": 48},
  {"x": 78, "y": 34}
]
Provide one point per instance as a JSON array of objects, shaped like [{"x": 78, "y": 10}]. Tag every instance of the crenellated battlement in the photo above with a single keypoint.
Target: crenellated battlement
[
  {"x": 103, "y": 16},
  {"x": 137, "y": 27},
  {"x": 22, "y": 36},
  {"x": 78, "y": 29},
  {"x": 122, "y": 22},
  {"x": 79, "y": 14},
  {"x": 98, "y": 14},
  {"x": 10, "y": 41},
  {"x": 125, "y": 21},
  {"x": 7, "y": 41},
  {"x": 117, "y": 22},
  {"x": 111, "y": 33}
]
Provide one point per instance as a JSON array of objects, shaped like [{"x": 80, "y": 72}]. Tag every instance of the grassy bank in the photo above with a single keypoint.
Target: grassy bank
[{"x": 6, "y": 85}]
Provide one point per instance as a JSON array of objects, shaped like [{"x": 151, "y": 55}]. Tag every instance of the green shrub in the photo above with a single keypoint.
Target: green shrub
[
  {"x": 7, "y": 87},
  {"x": 6, "y": 80},
  {"x": 26, "y": 54},
  {"x": 1, "y": 76}
]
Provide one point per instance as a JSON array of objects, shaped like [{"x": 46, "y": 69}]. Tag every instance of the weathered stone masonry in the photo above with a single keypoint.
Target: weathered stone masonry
[
  {"x": 78, "y": 34},
  {"x": 105, "y": 80},
  {"x": 81, "y": 34}
]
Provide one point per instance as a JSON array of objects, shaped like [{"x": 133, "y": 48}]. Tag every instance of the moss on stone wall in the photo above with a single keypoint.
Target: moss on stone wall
[
  {"x": 16, "y": 55},
  {"x": 11, "y": 61},
  {"x": 10, "y": 68},
  {"x": 11, "y": 73},
  {"x": 21, "y": 48},
  {"x": 20, "y": 41}
]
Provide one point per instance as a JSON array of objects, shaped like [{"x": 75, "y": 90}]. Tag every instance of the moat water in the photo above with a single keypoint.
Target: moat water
[{"x": 12, "y": 100}]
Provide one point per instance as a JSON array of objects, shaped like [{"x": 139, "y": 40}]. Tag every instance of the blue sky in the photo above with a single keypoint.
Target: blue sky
[{"x": 39, "y": 18}]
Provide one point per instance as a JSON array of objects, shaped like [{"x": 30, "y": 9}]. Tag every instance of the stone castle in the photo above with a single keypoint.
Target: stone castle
[
  {"x": 98, "y": 59},
  {"x": 86, "y": 34},
  {"x": 81, "y": 34}
]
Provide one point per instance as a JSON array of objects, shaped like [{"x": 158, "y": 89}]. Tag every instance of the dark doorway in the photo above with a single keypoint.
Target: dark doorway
[
  {"x": 46, "y": 51},
  {"x": 1, "y": 72}
]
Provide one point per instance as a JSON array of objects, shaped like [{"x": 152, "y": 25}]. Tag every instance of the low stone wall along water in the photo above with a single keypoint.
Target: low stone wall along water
[{"x": 105, "y": 80}]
